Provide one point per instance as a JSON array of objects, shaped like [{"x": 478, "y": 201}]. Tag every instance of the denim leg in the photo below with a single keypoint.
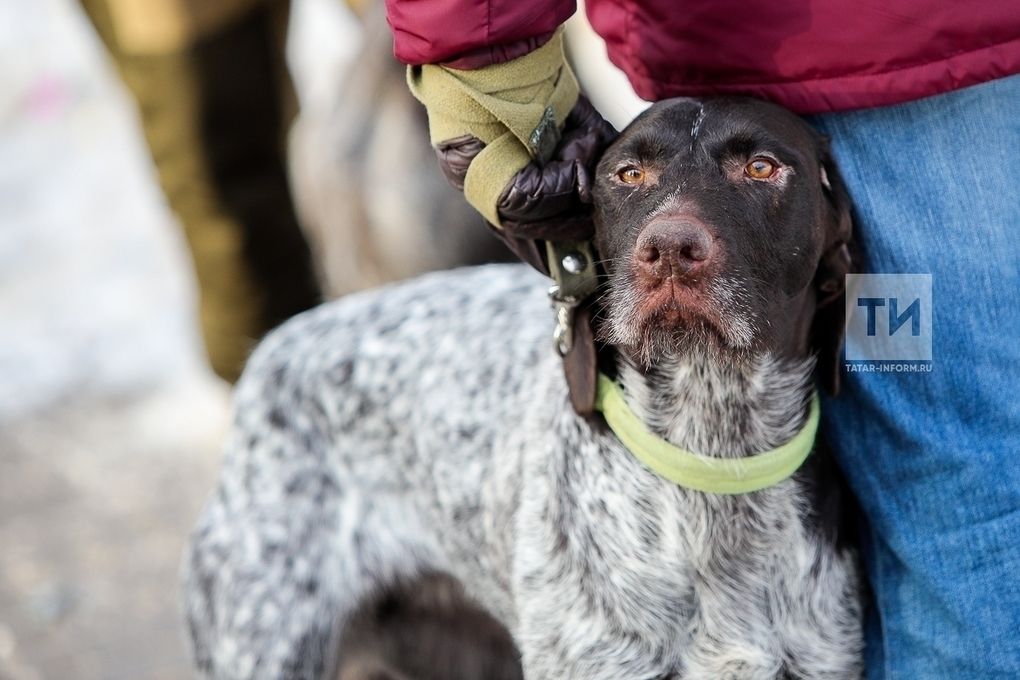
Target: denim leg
[{"x": 934, "y": 458}]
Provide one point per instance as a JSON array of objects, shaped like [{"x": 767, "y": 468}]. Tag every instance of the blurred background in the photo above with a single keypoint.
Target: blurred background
[{"x": 177, "y": 177}]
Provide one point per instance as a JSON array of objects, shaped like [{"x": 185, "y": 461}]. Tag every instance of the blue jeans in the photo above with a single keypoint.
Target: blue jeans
[{"x": 934, "y": 458}]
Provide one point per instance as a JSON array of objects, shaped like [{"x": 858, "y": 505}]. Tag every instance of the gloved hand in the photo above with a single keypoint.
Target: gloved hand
[
  {"x": 520, "y": 143},
  {"x": 550, "y": 201}
]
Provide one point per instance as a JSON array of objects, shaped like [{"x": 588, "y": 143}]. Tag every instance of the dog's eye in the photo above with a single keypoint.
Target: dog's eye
[
  {"x": 631, "y": 175},
  {"x": 760, "y": 168}
]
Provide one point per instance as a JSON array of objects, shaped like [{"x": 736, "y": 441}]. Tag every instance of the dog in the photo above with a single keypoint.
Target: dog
[{"x": 423, "y": 431}]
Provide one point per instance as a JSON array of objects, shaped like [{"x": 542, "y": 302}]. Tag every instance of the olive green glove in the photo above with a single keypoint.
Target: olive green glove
[{"x": 518, "y": 141}]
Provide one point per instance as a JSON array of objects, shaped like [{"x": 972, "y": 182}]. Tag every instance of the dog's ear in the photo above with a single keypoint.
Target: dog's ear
[{"x": 836, "y": 262}]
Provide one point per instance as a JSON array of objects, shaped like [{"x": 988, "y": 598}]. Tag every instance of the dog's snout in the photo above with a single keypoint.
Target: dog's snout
[{"x": 677, "y": 248}]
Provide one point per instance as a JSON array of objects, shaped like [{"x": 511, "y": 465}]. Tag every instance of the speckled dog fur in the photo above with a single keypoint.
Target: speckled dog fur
[{"x": 425, "y": 427}]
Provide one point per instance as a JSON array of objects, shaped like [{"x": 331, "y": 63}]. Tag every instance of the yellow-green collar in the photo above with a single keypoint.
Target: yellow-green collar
[{"x": 703, "y": 473}]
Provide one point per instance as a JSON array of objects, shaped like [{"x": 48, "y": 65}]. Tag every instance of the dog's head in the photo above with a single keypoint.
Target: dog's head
[{"x": 723, "y": 225}]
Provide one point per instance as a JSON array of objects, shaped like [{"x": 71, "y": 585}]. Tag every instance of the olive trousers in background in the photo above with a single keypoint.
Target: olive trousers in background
[{"x": 216, "y": 102}]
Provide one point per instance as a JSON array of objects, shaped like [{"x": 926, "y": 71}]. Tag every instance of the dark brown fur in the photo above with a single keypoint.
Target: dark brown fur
[{"x": 427, "y": 629}]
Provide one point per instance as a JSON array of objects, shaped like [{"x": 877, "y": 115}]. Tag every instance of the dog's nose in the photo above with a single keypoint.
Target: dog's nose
[{"x": 680, "y": 248}]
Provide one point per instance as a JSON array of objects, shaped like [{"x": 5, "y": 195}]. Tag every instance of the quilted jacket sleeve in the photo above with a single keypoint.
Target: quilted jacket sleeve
[{"x": 472, "y": 33}]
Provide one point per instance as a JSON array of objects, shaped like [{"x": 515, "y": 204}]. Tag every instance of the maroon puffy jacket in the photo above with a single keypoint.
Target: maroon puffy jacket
[{"x": 811, "y": 56}]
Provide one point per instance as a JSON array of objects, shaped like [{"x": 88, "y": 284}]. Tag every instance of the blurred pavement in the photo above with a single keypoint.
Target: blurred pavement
[{"x": 109, "y": 420}]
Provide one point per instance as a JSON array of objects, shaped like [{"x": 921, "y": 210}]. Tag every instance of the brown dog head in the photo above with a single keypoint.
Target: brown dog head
[{"x": 723, "y": 225}]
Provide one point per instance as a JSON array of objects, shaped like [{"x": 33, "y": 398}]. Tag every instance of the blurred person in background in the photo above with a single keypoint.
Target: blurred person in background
[
  {"x": 216, "y": 103},
  {"x": 363, "y": 172}
]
